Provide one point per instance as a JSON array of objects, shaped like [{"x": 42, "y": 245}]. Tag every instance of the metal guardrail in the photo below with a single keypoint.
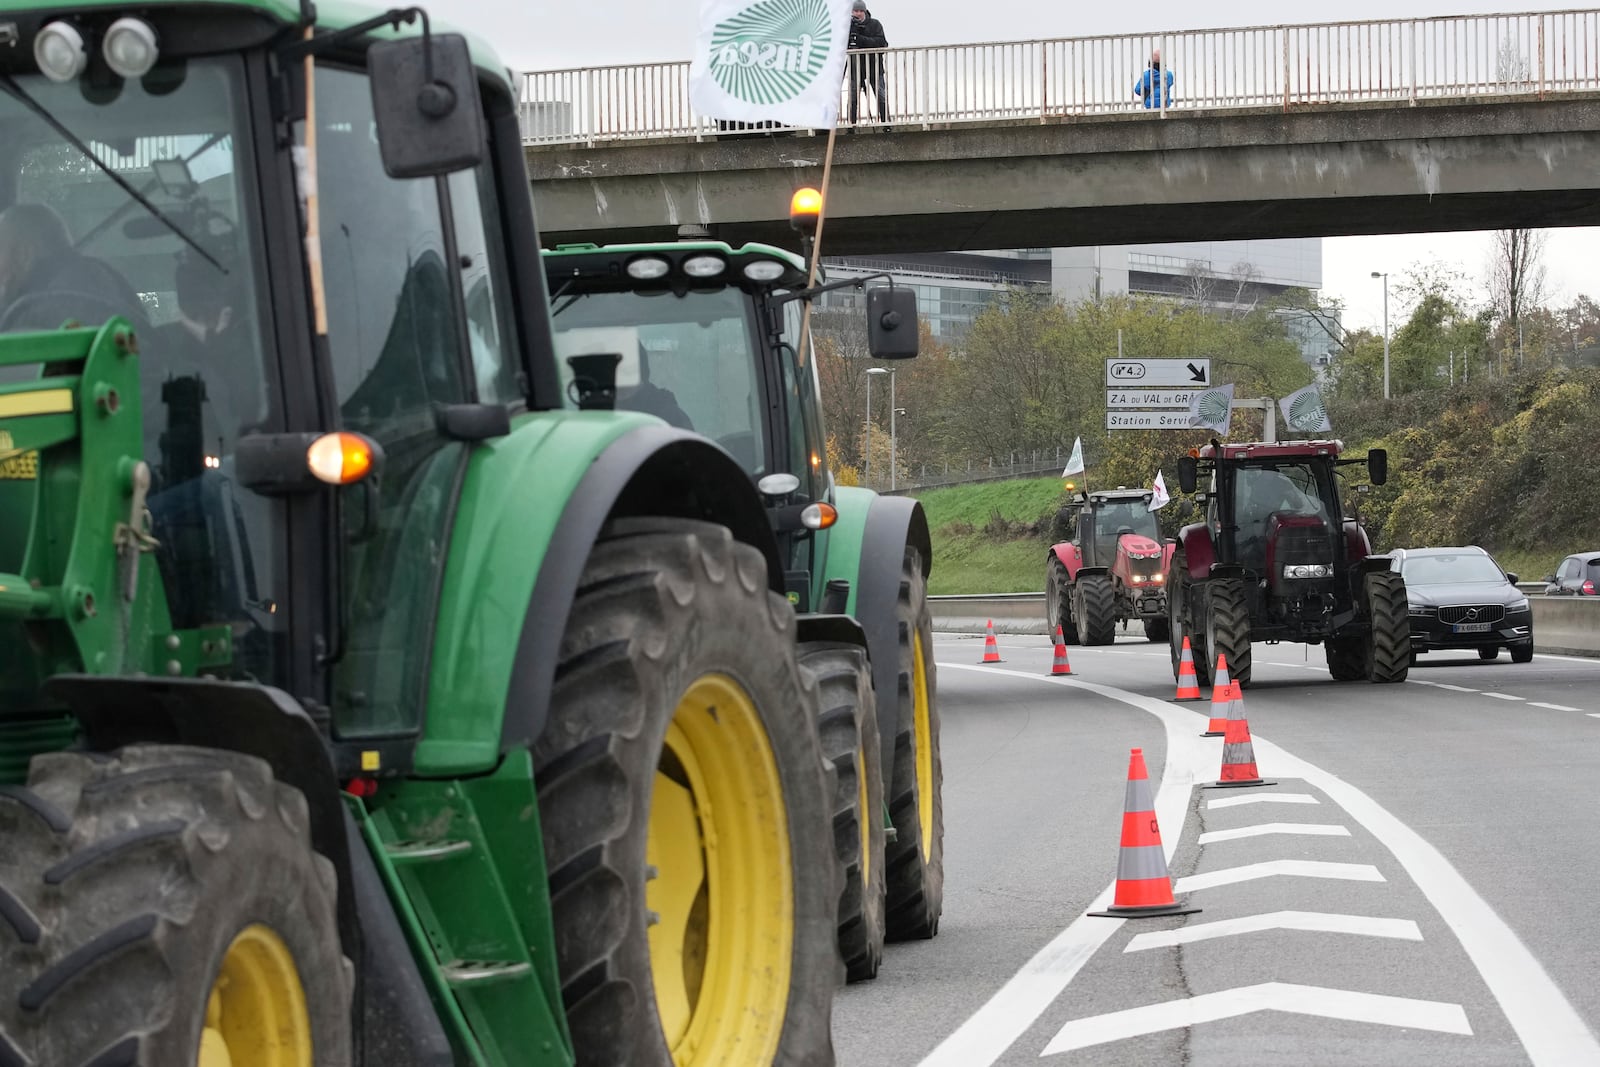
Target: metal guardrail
[
  {"x": 1561, "y": 624},
  {"x": 1398, "y": 61}
]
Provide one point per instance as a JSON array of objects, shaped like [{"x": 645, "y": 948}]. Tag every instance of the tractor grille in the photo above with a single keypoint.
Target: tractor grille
[
  {"x": 1302, "y": 544},
  {"x": 1471, "y": 613}
]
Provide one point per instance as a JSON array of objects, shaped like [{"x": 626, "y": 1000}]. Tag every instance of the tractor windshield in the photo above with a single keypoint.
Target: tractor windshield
[
  {"x": 690, "y": 359},
  {"x": 177, "y": 257},
  {"x": 1113, "y": 518},
  {"x": 1286, "y": 489}
]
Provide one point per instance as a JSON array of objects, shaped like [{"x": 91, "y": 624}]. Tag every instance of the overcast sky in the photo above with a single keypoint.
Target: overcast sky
[{"x": 541, "y": 36}]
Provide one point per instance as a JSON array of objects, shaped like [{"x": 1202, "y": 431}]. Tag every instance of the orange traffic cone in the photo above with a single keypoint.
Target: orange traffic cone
[
  {"x": 1225, "y": 695},
  {"x": 1143, "y": 886},
  {"x": 1238, "y": 754},
  {"x": 991, "y": 649},
  {"x": 1188, "y": 681},
  {"x": 1060, "y": 666}
]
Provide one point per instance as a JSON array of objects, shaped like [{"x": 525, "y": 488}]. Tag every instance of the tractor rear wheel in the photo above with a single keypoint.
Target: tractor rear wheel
[
  {"x": 1058, "y": 603},
  {"x": 1181, "y": 622},
  {"x": 1095, "y": 605},
  {"x": 1389, "y": 641},
  {"x": 163, "y": 906},
  {"x": 688, "y": 811},
  {"x": 1228, "y": 627},
  {"x": 848, "y": 723},
  {"x": 916, "y": 784}
]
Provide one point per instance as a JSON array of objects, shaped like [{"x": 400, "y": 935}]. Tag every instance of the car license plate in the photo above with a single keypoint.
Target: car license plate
[{"x": 1471, "y": 627}]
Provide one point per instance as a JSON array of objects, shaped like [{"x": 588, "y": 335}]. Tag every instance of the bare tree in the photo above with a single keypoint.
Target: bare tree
[
  {"x": 1246, "y": 295},
  {"x": 1199, "y": 284},
  {"x": 1517, "y": 274},
  {"x": 1511, "y": 66}
]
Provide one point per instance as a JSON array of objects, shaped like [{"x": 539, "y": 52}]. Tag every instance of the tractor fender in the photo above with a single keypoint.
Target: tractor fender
[
  {"x": 835, "y": 629},
  {"x": 1199, "y": 553},
  {"x": 531, "y": 505},
  {"x": 883, "y": 527},
  {"x": 1070, "y": 557},
  {"x": 1356, "y": 544}
]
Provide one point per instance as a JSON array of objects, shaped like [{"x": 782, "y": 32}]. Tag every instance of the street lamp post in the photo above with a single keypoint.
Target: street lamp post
[
  {"x": 1385, "y": 276},
  {"x": 866, "y": 471}
]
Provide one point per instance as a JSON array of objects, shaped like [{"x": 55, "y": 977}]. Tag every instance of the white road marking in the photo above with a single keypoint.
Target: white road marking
[
  {"x": 1457, "y": 688},
  {"x": 1552, "y": 707},
  {"x": 1344, "y": 872},
  {"x": 1309, "y": 829},
  {"x": 1503, "y": 696},
  {"x": 1315, "y": 921},
  {"x": 1269, "y": 996},
  {"x": 1551, "y": 1032},
  {"x": 1594, "y": 715},
  {"x": 1254, "y": 797}
]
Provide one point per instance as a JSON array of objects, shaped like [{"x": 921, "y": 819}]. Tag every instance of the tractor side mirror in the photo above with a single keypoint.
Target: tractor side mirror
[
  {"x": 1188, "y": 473},
  {"x": 1378, "y": 465},
  {"x": 426, "y": 106},
  {"x": 892, "y": 323}
]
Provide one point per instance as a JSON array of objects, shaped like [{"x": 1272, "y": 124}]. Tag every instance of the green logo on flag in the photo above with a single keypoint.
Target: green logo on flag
[
  {"x": 772, "y": 51},
  {"x": 1306, "y": 412}
]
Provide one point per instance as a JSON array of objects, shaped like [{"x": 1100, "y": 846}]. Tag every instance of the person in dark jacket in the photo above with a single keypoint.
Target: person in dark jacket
[
  {"x": 1146, "y": 88},
  {"x": 866, "y": 71},
  {"x": 44, "y": 280}
]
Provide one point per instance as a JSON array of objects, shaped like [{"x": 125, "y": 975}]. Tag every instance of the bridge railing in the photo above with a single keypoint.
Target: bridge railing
[{"x": 1398, "y": 62}]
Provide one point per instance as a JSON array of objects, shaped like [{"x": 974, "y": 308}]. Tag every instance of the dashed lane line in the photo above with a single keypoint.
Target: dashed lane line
[
  {"x": 1546, "y": 1024},
  {"x": 1503, "y": 696},
  {"x": 1318, "y": 1001},
  {"x": 1308, "y": 829},
  {"x": 1262, "y": 798},
  {"x": 1552, "y": 707},
  {"x": 1312, "y": 921}
]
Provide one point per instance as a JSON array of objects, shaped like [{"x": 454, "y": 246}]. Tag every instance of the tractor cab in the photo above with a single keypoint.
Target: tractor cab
[{"x": 1110, "y": 521}]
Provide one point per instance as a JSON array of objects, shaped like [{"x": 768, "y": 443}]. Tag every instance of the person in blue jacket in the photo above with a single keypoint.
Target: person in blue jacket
[{"x": 1144, "y": 87}]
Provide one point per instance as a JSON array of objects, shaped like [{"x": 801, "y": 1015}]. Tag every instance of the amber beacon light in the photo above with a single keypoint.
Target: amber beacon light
[
  {"x": 341, "y": 458},
  {"x": 805, "y": 207}
]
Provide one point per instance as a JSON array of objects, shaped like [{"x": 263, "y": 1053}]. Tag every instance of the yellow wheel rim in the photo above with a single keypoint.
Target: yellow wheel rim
[
  {"x": 924, "y": 732},
  {"x": 866, "y": 814},
  {"x": 256, "y": 1014},
  {"x": 721, "y": 900}
]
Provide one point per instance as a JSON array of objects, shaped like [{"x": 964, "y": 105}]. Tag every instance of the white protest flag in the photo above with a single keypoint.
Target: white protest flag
[
  {"x": 1212, "y": 409},
  {"x": 1074, "y": 461},
  {"x": 1160, "y": 499},
  {"x": 770, "y": 61},
  {"x": 1303, "y": 411}
]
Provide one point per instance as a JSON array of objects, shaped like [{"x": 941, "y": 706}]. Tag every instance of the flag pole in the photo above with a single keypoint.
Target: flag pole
[{"x": 816, "y": 246}]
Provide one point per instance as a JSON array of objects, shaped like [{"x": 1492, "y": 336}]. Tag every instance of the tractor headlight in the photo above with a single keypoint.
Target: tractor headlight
[
  {"x": 648, "y": 268},
  {"x": 704, "y": 266},
  {"x": 764, "y": 270},
  {"x": 59, "y": 51},
  {"x": 130, "y": 47},
  {"x": 1308, "y": 570}
]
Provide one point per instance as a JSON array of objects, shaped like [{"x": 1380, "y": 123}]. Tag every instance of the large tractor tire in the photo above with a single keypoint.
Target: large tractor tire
[
  {"x": 1182, "y": 620},
  {"x": 916, "y": 784},
  {"x": 1228, "y": 628},
  {"x": 1347, "y": 658},
  {"x": 848, "y": 724},
  {"x": 163, "y": 907},
  {"x": 1095, "y": 606},
  {"x": 688, "y": 811},
  {"x": 1388, "y": 642},
  {"x": 1058, "y": 603}
]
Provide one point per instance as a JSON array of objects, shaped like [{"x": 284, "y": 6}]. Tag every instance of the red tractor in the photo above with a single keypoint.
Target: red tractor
[
  {"x": 1113, "y": 569},
  {"x": 1278, "y": 559}
]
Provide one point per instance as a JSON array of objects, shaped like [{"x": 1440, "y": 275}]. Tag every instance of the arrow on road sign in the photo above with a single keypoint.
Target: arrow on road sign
[
  {"x": 1197, "y": 373},
  {"x": 1268, "y": 996}
]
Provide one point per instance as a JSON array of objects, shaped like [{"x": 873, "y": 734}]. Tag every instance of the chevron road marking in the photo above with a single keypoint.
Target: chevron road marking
[
  {"x": 1307, "y": 829},
  {"x": 1346, "y": 872},
  {"x": 1268, "y": 996},
  {"x": 1262, "y": 798},
  {"x": 1313, "y": 921}
]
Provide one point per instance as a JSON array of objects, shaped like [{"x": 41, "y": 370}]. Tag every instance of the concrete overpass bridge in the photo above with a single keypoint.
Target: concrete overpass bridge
[{"x": 1474, "y": 122}]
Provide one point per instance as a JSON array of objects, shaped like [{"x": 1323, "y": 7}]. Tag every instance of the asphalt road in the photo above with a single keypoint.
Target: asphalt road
[{"x": 1424, "y": 893}]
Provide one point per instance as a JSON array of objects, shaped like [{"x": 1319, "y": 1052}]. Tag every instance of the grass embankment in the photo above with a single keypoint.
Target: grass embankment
[{"x": 991, "y": 538}]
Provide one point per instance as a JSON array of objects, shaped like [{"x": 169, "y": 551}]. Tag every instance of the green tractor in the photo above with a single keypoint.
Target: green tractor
[
  {"x": 362, "y": 699},
  {"x": 708, "y": 338}
]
